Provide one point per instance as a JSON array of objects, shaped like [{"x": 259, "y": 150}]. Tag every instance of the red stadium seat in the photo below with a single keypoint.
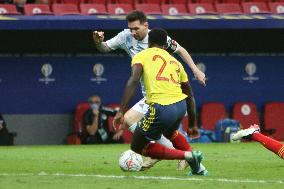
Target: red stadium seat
[
  {"x": 228, "y": 8},
  {"x": 228, "y": 1},
  {"x": 274, "y": 119},
  {"x": 75, "y": 2},
  {"x": 105, "y": 2},
  {"x": 201, "y": 8},
  {"x": 126, "y": 1},
  {"x": 127, "y": 135},
  {"x": 37, "y": 9},
  {"x": 65, "y": 9},
  {"x": 211, "y": 113},
  {"x": 174, "y": 9},
  {"x": 119, "y": 8},
  {"x": 184, "y": 2},
  {"x": 148, "y": 8},
  {"x": 276, "y": 7},
  {"x": 205, "y": 1},
  {"x": 91, "y": 9},
  {"x": 255, "y": 8},
  {"x": 8, "y": 9},
  {"x": 78, "y": 127},
  {"x": 151, "y": 1},
  {"x": 246, "y": 113}
]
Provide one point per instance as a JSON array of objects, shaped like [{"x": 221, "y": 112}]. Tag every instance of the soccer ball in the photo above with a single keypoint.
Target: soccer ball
[{"x": 130, "y": 161}]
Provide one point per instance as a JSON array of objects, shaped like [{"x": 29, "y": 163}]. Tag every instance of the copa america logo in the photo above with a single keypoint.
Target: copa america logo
[
  {"x": 250, "y": 69},
  {"x": 201, "y": 66},
  {"x": 46, "y": 71},
  {"x": 98, "y": 70}
]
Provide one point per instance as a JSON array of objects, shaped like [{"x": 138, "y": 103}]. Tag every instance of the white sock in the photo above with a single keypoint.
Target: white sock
[
  {"x": 188, "y": 155},
  {"x": 132, "y": 127},
  {"x": 165, "y": 142}
]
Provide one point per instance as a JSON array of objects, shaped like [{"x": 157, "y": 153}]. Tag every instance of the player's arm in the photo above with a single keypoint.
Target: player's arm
[
  {"x": 129, "y": 91},
  {"x": 191, "y": 110},
  {"x": 182, "y": 52},
  {"x": 174, "y": 47},
  {"x": 98, "y": 37},
  {"x": 131, "y": 86}
]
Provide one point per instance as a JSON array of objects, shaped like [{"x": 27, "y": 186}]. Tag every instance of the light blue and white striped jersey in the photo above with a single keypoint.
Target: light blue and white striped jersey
[{"x": 131, "y": 46}]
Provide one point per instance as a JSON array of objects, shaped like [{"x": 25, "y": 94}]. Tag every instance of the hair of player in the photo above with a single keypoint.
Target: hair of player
[
  {"x": 136, "y": 15},
  {"x": 158, "y": 36}
]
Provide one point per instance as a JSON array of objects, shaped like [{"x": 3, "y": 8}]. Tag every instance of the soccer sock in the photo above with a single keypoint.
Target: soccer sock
[
  {"x": 158, "y": 151},
  {"x": 269, "y": 143},
  {"x": 132, "y": 127},
  {"x": 180, "y": 142},
  {"x": 165, "y": 142}
]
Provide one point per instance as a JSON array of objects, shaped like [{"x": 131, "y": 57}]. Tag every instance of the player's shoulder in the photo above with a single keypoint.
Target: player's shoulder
[{"x": 125, "y": 32}]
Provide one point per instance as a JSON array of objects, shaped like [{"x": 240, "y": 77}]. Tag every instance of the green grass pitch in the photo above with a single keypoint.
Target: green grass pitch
[{"x": 245, "y": 165}]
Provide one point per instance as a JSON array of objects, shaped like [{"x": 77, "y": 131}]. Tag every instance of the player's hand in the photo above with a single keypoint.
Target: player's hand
[
  {"x": 98, "y": 36},
  {"x": 193, "y": 133},
  {"x": 117, "y": 120},
  {"x": 200, "y": 76},
  {"x": 117, "y": 135}
]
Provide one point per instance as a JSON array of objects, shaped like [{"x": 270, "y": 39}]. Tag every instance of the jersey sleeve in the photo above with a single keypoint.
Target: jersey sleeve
[
  {"x": 117, "y": 41},
  {"x": 183, "y": 74},
  {"x": 137, "y": 59},
  {"x": 173, "y": 46}
]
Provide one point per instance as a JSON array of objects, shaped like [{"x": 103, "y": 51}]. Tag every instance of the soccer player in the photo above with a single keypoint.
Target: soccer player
[
  {"x": 253, "y": 133},
  {"x": 164, "y": 78},
  {"x": 134, "y": 40}
]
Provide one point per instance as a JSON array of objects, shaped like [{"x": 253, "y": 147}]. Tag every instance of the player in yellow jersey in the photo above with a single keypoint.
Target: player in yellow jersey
[{"x": 167, "y": 90}]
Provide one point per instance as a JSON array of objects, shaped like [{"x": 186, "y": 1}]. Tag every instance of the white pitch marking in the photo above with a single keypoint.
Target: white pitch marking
[{"x": 146, "y": 177}]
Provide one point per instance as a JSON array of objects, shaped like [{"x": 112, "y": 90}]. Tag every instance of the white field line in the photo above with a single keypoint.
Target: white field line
[{"x": 203, "y": 179}]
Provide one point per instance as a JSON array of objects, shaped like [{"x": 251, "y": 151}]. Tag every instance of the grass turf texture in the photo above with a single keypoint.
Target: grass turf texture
[{"x": 245, "y": 165}]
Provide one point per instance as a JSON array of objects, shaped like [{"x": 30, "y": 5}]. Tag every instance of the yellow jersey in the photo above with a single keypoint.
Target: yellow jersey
[{"x": 162, "y": 76}]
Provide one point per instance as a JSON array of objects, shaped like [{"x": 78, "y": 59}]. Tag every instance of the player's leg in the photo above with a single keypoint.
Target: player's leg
[
  {"x": 132, "y": 118},
  {"x": 253, "y": 133}
]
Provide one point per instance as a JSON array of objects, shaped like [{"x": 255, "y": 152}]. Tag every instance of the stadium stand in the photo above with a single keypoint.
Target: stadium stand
[
  {"x": 246, "y": 113},
  {"x": 105, "y": 2},
  {"x": 78, "y": 130},
  {"x": 119, "y": 8},
  {"x": 152, "y": 2},
  {"x": 65, "y": 9},
  {"x": 201, "y": 8},
  {"x": 228, "y": 8},
  {"x": 274, "y": 119},
  {"x": 183, "y": 2},
  {"x": 8, "y": 9},
  {"x": 276, "y": 7},
  {"x": 211, "y": 113},
  {"x": 149, "y": 8},
  {"x": 37, "y": 9},
  {"x": 255, "y": 8},
  {"x": 91, "y": 9},
  {"x": 173, "y": 9}
]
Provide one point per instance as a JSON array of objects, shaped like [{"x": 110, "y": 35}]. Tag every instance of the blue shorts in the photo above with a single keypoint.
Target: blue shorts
[{"x": 162, "y": 118}]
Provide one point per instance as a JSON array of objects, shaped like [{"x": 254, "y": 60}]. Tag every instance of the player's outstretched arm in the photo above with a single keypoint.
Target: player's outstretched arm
[
  {"x": 182, "y": 52},
  {"x": 98, "y": 37},
  {"x": 129, "y": 92}
]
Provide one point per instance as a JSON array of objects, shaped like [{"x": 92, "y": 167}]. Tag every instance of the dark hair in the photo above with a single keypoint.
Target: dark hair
[
  {"x": 136, "y": 15},
  {"x": 158, "y": 36}
]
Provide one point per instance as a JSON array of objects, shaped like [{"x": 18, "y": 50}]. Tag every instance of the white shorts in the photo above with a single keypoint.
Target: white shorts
[{"x": 141, "y": 106}]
